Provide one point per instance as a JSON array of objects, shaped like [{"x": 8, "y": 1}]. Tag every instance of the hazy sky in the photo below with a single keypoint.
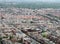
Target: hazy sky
[{"x": 33, "y": 0}]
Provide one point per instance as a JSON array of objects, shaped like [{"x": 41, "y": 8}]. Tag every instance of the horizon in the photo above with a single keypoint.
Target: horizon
[{"x": 56, "y": 1}]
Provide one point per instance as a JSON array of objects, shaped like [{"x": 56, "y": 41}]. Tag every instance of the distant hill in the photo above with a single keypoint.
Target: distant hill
[{"x": 34, "y": 5}]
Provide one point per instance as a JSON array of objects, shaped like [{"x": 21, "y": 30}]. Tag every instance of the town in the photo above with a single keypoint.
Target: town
[{"x": 29, "y": 26}]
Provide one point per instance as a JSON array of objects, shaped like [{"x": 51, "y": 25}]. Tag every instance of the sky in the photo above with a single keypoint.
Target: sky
[{"x": 30, "y": 0}]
